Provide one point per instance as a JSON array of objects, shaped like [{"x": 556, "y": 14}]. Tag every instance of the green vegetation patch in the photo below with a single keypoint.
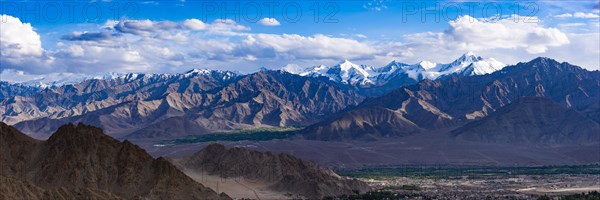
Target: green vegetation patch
[
  {"x": 583, "y": 196},
  {"x": 466, "y": 172},
  {"x": 376, "y": 195},
  {"x": 257, "y": 134}
]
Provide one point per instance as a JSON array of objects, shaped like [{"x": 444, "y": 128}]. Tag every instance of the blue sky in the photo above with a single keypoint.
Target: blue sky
[{"x": 59, "y": 38}]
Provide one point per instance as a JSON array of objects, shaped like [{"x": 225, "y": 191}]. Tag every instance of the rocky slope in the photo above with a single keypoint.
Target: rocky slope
[
  {"x": 203, "y": 101},
  {"x": 532, "y": 120},
  {"x": 11, "y": 188},
  {"x": 81, "y": 160},
  {"x": 454, "y": 101},
  {"x": 364, "y": 124},
  {"x": 11, "y": 90},
  {"x": 281, "y": 172}
]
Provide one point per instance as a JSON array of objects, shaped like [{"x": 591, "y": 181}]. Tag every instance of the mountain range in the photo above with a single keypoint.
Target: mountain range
[
  {"x": 469, "y": 64},
  {"x": 207, "y": 101},
  {"x": 454, "y": 101},
  {"x": 333, "y": 103}
]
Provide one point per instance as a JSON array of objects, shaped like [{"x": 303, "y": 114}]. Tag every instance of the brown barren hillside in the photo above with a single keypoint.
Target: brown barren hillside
[
  {"x": 281, "y": 172},
  {"x": 82, "y": 160}
]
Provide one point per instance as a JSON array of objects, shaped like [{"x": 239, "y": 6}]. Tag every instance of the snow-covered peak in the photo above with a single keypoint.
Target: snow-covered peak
[
  {"x": 60, "y": 79},
  {"x": 391, "y": 67},
  {"x": 111, "y": 75},
  {"x": 469, "y": 53},
  {"x": 293, "y": 69},
  {"x": 198, "y": 71},
  {"x": 195, "y": 72},
  {"x": 350, "y": 73},
  {"x": 427, "y": 65},
  {"x": 468, "y": 64},
  {"x": 485, "y": 66},
  {"x": 345, "y": 72},
  {"x": 346, "y": 65},
  {"x": 468, "y": 57}
]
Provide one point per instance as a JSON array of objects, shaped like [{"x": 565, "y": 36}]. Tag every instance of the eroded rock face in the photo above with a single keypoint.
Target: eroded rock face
[
  {"x": 82, "y": 158},
  {"x": 455, "y": 101},
  {"x": 281, "y": 172}
]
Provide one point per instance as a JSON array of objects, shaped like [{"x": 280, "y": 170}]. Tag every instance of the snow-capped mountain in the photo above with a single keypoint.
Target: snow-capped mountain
[
  {"x": 344, "y": 72},
  {"x": 57, "y": 80},
  {"x": 468, "y": 64}
]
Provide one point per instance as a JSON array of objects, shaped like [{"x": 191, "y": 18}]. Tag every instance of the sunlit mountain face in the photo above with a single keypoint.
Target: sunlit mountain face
[{"x": 374, "y": 99}]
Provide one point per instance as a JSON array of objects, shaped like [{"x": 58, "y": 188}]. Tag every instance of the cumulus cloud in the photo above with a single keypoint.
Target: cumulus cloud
[
  {"x": 503, "y": 39},
  {"x": 302, "y": 47},
  {"x": 18, "y": 38},
  {"x": 468, "y": 33},
  {"x": 194, "y": 24},
  {"x": 21, "y": 46},
  {"x": 227, "y": 25},
  {"x": 269, "y": 22}
]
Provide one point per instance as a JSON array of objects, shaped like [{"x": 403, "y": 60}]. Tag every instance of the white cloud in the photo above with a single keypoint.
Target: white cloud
[
  {"x": 302, "y": 47},
  {"x": 76, "y": 50},
  {"x": 18, "y": 39},
  {"x": 227, "y": 25},
  {"x": 579, "y": 15},
  {"x": 572, "y": 24},
  {"x": 21, "y": 46},
  {"x": 360, "y": 36},
  {"x": 18, "y": 76},
  {"x": 504, "y": 39},
  {"x": 269, "y": 22},
  {"x": 168, "y": 46},
  {"x": 144, "y": 27},
  {"x": 468, "y": 33},
  {"x": 194, "y": 24},
  {"x": 149, "y": 28},
  {"x": 376, "y": 5}
]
